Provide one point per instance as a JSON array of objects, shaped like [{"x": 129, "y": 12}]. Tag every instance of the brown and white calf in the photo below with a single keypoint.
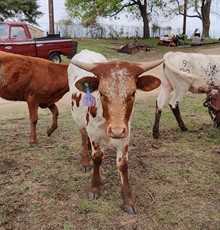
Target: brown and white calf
[
  {"x": 39, "y": 82},
  {"x": 182, "y": 72},
  {"x": 102, "y": 95}
]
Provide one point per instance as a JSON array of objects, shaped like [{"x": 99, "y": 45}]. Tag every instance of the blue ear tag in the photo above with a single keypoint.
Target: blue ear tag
[{"x": 88, "y": 99}]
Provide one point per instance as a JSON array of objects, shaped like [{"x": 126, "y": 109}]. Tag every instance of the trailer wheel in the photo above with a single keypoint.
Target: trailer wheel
[{"x": 55, "y": 57}]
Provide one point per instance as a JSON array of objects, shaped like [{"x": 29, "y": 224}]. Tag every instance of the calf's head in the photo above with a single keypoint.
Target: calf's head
[
  {"x": 212, "y": 102},
  {"x": 117, "y": 83}
]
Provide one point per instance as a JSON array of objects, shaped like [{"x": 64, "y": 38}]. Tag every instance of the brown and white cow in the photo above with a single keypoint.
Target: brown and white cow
[
  {"x": 39, "y": 82},
  {"x": 102, "y": 95}
]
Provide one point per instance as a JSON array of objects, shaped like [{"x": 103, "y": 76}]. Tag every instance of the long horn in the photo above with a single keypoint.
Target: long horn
[
  {"x": 84, "y": 65},
  {"x": 150, "y": 65}
]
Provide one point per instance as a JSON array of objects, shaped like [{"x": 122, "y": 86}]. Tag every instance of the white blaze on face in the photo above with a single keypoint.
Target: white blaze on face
[{"x": 118, "y": 86}]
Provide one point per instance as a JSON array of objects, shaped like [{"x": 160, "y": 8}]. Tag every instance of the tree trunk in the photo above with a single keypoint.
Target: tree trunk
[
  {"x": 184, "y": 16},
  {"x": 205, "y": 12},
  {"x": 144, "y": 15},
  {"x": 146, "y": 32}
]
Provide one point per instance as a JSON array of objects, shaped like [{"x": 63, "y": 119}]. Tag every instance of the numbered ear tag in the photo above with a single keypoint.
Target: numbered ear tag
[{"x": 88, "y": 99}]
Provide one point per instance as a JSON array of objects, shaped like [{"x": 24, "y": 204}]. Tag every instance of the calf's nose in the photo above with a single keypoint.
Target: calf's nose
[{"x": 117, "y": 132}]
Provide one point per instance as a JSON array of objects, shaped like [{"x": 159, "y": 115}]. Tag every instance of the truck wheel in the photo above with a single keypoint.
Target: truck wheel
[{"x": 55, "y": 57}]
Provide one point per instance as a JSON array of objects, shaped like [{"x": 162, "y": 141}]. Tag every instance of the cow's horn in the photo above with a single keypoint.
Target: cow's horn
[
  {"x": 150, "y": 65},
  {"x": 83, "y": 65}
]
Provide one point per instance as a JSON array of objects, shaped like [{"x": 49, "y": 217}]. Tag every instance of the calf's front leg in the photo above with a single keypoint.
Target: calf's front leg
[
  {"x": 97, "y": 157},
  {"x": 122, "y": 163},
  {"x": 86, "y": 150},
  {"x": 157, "y": 123},
  {"x": 33, "y": 114}
]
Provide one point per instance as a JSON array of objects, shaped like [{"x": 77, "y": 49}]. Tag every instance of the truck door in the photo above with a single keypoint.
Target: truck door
[{"x": 19, "y": 42}]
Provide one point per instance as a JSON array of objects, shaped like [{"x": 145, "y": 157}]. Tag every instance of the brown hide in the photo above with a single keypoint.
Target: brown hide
[
  {"x": 213, "y": 103},
  {"x": 117, "y": 83},
  {"x": 37, "y": 81},
  {"x": 117, "y": 87}
]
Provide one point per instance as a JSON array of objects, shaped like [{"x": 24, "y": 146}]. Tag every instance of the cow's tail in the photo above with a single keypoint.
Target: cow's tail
[{"x": 182, "y": 73}]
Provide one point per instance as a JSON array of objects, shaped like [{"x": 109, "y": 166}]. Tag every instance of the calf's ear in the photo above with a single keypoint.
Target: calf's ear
[
  {"x": 148, "y": 83},
  {"x": 91, "y": 83}
]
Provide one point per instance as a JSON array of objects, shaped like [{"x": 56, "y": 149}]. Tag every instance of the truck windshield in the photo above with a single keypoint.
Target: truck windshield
[{"x": 4, "y": 31}]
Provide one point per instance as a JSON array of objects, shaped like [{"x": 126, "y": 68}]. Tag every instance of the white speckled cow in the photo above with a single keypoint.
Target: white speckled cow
[
  {"x": 182, "y": 72},
  {"x": 102, "y": 95}
]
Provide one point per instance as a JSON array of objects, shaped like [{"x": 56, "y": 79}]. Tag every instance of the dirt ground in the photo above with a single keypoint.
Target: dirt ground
[{"x": 175, "y": 179}]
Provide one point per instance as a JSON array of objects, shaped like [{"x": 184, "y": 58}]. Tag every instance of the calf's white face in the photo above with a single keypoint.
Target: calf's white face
[{"x": 117, "y": 83}]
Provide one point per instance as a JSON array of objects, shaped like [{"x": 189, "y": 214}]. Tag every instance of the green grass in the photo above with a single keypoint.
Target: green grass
[
  {"x": 181, "y": 173},
  {"x": 175, "y": 179},
  {"x": 108, "y": 47}
]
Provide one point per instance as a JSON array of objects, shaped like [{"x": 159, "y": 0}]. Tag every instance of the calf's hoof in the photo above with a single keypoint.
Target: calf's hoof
[
  {"x": 86, "y": 169},
  {"x": 184, "y": 129},
  {"x": 49, "y": 132},
  {"x": 33, "y": 144},
  {"x": 131, "y": 209},
  {"x": 155, "y": 135},
  {"x": 94, "y": 195}
]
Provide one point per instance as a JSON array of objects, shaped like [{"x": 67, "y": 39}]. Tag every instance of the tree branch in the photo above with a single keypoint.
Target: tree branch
[{"x": 124, "y": 6}]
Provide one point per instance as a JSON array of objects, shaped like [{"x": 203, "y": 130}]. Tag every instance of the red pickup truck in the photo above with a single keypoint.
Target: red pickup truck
[{"x": 15, "y": 38}]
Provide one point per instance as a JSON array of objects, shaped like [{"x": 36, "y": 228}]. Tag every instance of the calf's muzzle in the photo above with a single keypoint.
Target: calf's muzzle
[
  {"x": 116, "y": 131},
  {"x": 213, "y": 103}
]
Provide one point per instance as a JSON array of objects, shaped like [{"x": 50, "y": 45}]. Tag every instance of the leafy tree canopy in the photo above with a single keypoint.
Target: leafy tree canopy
[
  {"x": 89, "y": 10},
  {"x": 24, "y": 10}
]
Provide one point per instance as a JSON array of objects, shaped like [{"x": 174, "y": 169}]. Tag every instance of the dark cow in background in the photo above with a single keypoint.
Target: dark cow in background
[
  {"x": 39, "y": 82},
  {"x": 102, "y": 95},
  {"x": 182, "y": 72}
]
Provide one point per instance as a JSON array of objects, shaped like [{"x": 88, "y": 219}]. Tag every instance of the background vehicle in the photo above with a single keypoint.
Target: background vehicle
[
  {"x": 172, "y": 40},
  {"x": 15, "y": 38}
]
